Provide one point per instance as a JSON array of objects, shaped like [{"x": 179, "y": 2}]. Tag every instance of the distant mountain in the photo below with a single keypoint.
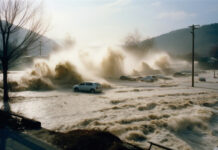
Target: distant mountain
[
  {"x": 179, "y": 42},
  {"x": 42, "y": 47}
]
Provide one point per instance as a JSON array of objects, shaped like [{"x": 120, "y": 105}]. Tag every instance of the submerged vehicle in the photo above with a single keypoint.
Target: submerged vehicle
[
  {"x": 149, "y": 79},
  {"x": 92, "y": 87}
]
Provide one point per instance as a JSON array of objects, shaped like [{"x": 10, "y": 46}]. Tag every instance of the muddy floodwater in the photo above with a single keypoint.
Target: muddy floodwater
[{"x": 168, "y": 112}]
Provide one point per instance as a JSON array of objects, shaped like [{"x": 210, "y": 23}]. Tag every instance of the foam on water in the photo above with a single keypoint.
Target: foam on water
[
  {"x": 165, "y": 112},
  {"x": 177, "y": 117}
]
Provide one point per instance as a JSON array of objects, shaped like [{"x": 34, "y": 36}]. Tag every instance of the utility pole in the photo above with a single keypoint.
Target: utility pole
[{"x": 193, "y": 28}]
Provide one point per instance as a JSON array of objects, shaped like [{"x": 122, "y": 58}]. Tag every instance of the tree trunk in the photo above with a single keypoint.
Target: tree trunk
[{"x": 5, "y": 86}]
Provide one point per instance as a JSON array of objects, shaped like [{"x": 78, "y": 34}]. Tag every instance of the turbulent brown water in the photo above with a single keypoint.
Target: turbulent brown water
[
  {"x": 112, "y": 65},
  {"x": 66, "y": 68},
  {"x": 166, "y": 112}
]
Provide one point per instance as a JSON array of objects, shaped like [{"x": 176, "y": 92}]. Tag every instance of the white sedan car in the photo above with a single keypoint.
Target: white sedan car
[{"x": 92, "y": 87}]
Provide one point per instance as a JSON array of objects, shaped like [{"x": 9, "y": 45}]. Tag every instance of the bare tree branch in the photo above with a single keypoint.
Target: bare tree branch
[
  {"x": 16, "y": 15},
  {"x": 20, "y": 29}
]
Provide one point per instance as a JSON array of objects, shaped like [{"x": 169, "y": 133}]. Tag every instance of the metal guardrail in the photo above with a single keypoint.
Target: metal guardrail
[
  {"x": 11, "y": 140},
  {"x": 26, "y": 122},
  {"x": 158, "y": 145},
  {"x": 35, "y": 124}
]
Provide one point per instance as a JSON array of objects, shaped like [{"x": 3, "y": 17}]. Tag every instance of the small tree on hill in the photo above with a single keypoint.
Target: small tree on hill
[
  {"x": 15, "y": 40},
  {"x": 214, "y": 59},
  {"x": 214, "y": 52}
]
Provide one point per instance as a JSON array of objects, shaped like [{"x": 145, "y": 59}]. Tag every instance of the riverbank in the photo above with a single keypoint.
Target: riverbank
[
  {"x": 14, "y": 130},
  {"x": 167, "y": 112}
]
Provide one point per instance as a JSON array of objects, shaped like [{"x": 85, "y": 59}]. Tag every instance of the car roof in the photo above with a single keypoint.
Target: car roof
[{"x": 90, "y": 82}]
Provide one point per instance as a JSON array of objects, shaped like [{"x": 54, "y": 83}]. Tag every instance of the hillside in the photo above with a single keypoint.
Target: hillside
[
  {"x": 46, "y": 44},
  {"x": 42, "y": 48},
  {"x": 179, "y": 42}
]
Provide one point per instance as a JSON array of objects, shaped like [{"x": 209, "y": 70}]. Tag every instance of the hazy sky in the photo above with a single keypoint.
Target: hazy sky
[{"x": 95, "y": 22}]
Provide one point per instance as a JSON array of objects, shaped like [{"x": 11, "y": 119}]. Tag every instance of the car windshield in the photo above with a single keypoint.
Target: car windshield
[{"x": 89, "y": 84}]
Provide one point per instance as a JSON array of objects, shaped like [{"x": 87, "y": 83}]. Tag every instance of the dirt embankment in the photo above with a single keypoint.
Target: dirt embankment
[
  {"x": 76, "y": 139},
  {"x": 90, "y": 140}
]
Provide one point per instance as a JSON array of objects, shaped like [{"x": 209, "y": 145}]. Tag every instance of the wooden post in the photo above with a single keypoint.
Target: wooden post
[
  {"x": 193, "y": 55},
  {"x": 193, "y": 27}
]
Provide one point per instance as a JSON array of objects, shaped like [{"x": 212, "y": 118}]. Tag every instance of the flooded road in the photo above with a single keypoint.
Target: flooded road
[{"x": 166, "y": 112}]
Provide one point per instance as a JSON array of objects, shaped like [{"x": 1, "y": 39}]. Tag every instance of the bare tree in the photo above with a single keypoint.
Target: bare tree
[
  {"x": 213, "y": 60},
  {"x": 20, "y": 29},
  {"x": 136, "y": 46}
]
